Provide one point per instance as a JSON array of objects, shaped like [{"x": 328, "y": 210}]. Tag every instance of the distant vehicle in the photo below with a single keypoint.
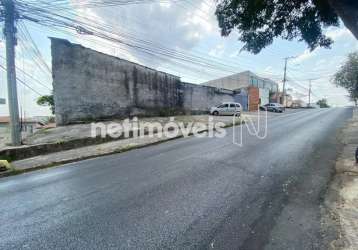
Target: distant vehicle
[
  {"x": 227, "y": 108},
  {"x": 273, "y": 107}
]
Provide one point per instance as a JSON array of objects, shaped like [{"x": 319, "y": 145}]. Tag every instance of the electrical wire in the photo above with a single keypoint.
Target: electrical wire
[
  {"x": 23, "y": 83},
  {"x": 137, "y": 44}
]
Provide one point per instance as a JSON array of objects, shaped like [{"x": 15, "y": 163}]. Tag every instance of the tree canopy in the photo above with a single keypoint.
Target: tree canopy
[
  {"x": 323, "y": 103},
  {"x": 260, "y": 21},
  {"x": 47, "y": 100},
  {"x": 347, "y": 76}
]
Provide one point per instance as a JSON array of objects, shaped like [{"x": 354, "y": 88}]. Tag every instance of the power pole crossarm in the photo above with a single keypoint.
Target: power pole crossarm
[{"x": 10, "y": 36}]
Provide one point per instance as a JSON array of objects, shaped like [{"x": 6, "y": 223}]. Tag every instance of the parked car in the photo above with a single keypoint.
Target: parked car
[
  {"x": 227, "y": 108},
  {"x": 273, "y": 107}
]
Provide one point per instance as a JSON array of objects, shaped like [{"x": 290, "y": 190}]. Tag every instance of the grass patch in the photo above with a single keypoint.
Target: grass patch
[{"x": 7, "y": 158}]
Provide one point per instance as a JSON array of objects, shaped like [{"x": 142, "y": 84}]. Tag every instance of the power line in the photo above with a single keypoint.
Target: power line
[
  {"x": 145, "y": 46},
  {"x": 22, "y": 82},
  {"x": 26, "y": 34},
  {"x": 28, "y": 75}
]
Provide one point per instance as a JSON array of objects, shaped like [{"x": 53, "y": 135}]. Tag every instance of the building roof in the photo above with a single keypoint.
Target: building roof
[
  {"x": 246, "y": 72},
  {"x": 6, "y": 120}
]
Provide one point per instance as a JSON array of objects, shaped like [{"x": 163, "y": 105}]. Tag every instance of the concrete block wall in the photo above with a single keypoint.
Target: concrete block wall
[
  {"x": 89, "y": 85},
  {"x": 199, "y": 98}
]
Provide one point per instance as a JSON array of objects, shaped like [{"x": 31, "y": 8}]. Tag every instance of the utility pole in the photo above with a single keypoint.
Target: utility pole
[
  {"x": 284, "y": 102},
  {"x": 10, "y": 36},
  {"x": 310, "y": 90},
  {"x": 309, "y": 93}
]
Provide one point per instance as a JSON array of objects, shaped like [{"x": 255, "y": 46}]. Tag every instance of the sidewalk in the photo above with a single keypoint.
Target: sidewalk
[
  {"x": 342, "y": 197},
  {"x": 58, "y": 139},
  {"x": 82, "y": 132}
]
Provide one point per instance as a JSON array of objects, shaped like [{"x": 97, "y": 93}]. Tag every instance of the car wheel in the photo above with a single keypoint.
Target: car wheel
[{"x": 216, "y": 113}]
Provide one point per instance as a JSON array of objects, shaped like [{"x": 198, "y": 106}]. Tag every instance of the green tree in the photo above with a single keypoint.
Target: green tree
[
  {"x": 260, "y": 21},
  {"x": 347, "y": 76},
  {"x": 47, "y": 100},
  {"x": 323, "y": 103}
]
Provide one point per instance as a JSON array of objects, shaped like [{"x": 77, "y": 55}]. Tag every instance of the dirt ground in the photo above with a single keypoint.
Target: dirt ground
[
  {"x": 78, "y": 131},
  {"x": 341, "y": 201}
]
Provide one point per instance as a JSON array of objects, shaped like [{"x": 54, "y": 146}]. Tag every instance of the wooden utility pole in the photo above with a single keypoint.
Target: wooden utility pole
[{"x": 10, "y": 36}]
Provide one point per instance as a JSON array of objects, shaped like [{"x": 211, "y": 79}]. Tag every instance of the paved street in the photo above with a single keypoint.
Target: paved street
[{"x": 190, "y": 193}]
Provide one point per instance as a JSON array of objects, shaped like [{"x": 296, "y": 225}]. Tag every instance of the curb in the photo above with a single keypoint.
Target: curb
[
  {"x": 15, "y": 171},
  {"x": 29, "y": 151}
]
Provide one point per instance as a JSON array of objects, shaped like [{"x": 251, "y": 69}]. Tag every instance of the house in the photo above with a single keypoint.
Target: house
[
  {"x": 298, "y": 104},
  {"x": 4, "y": 121},
  {"x": 28, "y": 124},
  {"x": 287, "y": 101}
]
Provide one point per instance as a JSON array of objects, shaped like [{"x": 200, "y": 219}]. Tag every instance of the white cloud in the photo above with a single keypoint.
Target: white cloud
[
  {"x": 175, "y": 26},
  {"x": 203, "y": 17},
  {"x": 218, "y": 51},
  {"x": 165, "y": 4},
  {"x": 268, "y": 70},
  {"x": 338, "y": 33},
  {"x": 307, "y": 54},
  {"x": 235, "y": 53},
  {"x": 321, "y": 62}
]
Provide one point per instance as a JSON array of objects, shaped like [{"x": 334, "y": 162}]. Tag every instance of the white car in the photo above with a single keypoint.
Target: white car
[{"x": 227, "y": 108}]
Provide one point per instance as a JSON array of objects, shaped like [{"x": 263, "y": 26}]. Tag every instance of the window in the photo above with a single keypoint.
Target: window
[
  {"x": 232, "y": 105},
  {"x": 224, "y": 106},
  {"x": 238, "y": 106}
]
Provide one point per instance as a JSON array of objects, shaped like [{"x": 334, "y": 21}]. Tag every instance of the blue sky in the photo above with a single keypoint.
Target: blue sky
[{"x": 189, "y": 27}]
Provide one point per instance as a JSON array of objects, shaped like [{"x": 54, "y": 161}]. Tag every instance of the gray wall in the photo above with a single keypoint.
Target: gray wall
[
  {"x": 200, "y": 98},
  {"x": 89, "y": 85}
]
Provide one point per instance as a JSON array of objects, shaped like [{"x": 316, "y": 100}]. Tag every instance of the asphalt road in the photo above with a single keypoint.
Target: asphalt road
[{"x": 190, "y": 193}]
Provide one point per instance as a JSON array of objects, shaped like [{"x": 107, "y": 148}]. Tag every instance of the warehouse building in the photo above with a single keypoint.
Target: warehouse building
[
  {"x": 243, "y": 80},
  {"x": 248, "y": 81}
]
